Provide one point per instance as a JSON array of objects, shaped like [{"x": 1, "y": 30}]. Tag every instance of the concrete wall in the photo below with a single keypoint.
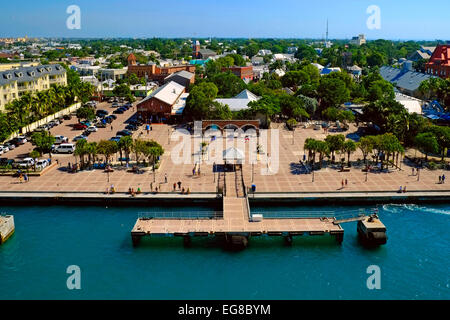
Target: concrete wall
[{"x": 36, "y": 124}]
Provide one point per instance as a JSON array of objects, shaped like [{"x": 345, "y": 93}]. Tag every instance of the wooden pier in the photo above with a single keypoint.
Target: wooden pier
[{"x": 237, "y": 225}]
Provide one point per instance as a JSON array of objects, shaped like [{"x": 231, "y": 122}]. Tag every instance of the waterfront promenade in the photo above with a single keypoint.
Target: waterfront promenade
[{"x": 290, "y": 177}]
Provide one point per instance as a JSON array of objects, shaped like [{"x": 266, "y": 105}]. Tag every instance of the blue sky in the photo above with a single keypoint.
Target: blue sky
[{"x": 400, "y": 19}]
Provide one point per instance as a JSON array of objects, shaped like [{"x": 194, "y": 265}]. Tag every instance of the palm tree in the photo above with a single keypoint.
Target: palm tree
[
  {"x": 349, "y": 147},
  {"x": 91, "y": 150},
  {"x": 125, "y": 144},
  {"x": 81, "y": 150},
  {"x": 322, "y": 148}
]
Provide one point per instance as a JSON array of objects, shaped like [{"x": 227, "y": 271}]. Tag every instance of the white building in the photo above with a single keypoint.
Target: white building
[{"x": 359, "y": 40}]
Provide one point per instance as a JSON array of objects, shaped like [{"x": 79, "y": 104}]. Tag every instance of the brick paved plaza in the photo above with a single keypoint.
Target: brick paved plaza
[{"x": 289, "y": 178}]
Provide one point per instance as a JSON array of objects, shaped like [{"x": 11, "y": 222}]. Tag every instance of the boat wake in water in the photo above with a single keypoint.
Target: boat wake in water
[{"x": 396, "y": 208}]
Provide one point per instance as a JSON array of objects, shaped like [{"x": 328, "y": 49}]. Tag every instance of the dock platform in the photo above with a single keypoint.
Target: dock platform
[{"x": 235, "y": 222}]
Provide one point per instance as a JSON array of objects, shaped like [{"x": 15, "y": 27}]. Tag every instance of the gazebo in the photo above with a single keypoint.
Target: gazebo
[{"x": 233, "y": 156}]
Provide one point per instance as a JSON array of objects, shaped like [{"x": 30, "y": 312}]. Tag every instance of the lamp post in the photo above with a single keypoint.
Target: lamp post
[
  {"x": 313, "y": 174},
  {"x": 253, "y": 165},
  {"x": 214, "y": 171},
  {"x": 154, "y": 173}
]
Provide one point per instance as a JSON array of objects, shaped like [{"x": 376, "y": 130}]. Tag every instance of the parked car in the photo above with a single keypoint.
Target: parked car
[
  {"x": 124, "y": 133},
  {"x": 92, "y": 129},
  {"x": 131, "y": 127},
  {"x": 10, "y": 145},
  {"x": 110, "y": 100},
  {"x": 79, "y": 126},
  {"x": 5, "y": 162},
  {"x": 55, "y": 122},
  {"x": 20, "y": 140},
  {"x": 26, "y": 163},
  {"x": 101, "y": 113},
  {"x": 101, "y": 124},
  {"x": 41, "y": 164},
  {"x": 113, "y": 116},
  {"x": 41, "y": 128},
  {"x": 86, "y": 122},
  {"x": 4, "y": 149},
  {"x": 80, "y": 137},
  {"x": 116, "y": 139},
  {"x": 67, "y": 117},
  {"x": 108, "y": 119},
  {"x": 118, "y": 111},
  {"x": 61, "y": 139},
  {"x": 115, "y": 105},
  {"x": 65, "y": 148}
]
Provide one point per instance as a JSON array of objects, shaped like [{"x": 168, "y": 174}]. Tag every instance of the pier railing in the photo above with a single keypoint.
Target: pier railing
[
  {"x": 190, "y": 215},
  {"x": 315, "y": 214}
]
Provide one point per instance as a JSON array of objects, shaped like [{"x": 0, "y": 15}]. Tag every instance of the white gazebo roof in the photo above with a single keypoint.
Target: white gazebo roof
[{"x": 233, "y": 154}]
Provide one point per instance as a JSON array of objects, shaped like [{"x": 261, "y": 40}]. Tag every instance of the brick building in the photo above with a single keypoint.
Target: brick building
[
  {"x": 163, "y": 104},
  {"x": 154, "y": 72},
  {"x": 199, "y": 53},
  {"x": 245, "y": 73},
  {"x": 439, "y": 64}
]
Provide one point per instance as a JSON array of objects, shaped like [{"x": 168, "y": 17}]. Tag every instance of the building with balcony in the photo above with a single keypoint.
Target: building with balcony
[{"x": 16, "y": 82}]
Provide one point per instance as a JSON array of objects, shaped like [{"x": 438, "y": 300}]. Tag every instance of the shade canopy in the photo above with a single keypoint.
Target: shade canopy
[{"x": 233, "y": 154}]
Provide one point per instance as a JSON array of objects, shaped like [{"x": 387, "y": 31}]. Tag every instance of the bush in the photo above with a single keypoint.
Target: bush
[
  {"x": 291, "y": 124},
  {"x": 432, "y": 165}
]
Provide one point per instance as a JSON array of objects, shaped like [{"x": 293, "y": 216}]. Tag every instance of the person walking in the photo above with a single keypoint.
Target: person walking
[
  {"x": 346, "y": 181},
  {"x": 174, "y": 186},
  {"x": 165, "y": 178},
  {"x": 193, "y": 171},
  {"x": 443, "y": 178},
  {"x": 342, "y": 183},
  {"x": 179, "y": 184},
  {"x": 440, "y": 179},
  {"x": 412, "y": 171}
]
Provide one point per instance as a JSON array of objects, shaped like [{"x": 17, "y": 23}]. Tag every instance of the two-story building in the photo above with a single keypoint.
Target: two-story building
[{"x": 15, "y": 82}]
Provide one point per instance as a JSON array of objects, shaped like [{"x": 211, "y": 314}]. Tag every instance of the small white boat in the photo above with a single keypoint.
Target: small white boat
[{"x": 6, "y": 227}]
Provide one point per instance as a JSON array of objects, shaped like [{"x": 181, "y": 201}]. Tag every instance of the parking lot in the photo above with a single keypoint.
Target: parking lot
[{"x": 66, "y": 129}]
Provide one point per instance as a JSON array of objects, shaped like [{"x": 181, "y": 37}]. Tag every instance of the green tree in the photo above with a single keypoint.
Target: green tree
[
  {"x": 43, "y": 141},
  {"x": 86, "y": 113},
  {"x": 107, "y": 148},
  {"x": 200, "y": 101},
  {"x": 349, "y": 147},
  {"x": 335, "y": 143},
  {"x": 333, "y": 91}
]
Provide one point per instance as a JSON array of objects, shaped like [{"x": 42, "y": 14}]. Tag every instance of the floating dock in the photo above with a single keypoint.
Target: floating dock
[{"x": 6, "y": 227}]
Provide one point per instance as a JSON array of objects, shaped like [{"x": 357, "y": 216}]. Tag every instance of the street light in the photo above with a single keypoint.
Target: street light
[
  {"x": 253, "y": 165},
  {"x": 154, "y": 173}
]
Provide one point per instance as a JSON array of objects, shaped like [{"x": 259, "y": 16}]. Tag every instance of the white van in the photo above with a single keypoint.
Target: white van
[{"x": 65, "y": 148}]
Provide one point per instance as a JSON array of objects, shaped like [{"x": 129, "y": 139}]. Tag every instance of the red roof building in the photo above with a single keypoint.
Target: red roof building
[
  {"x": 439, "y": 64},
  {"x": 242, "y": 72}
]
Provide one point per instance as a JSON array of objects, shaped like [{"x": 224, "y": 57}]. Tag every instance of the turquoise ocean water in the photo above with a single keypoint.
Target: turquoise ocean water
[{"x": 414, "y": 264}]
